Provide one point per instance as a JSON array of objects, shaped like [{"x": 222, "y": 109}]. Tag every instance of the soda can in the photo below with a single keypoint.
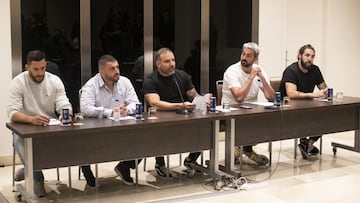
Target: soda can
[
  {"x": 212, "y": 105},
  {"x": 277, "y": 100},
  {"x": 138, "y": 111},
  {"x": 330, "y": 94},
  {"x": 65, "y": 116}
]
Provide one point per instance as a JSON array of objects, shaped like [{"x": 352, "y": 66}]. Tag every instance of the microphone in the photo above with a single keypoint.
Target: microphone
[{"x": 180, "y": 111}]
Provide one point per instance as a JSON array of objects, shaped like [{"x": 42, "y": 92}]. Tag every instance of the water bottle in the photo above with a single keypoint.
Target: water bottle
[{"x": 116, "y": 110}]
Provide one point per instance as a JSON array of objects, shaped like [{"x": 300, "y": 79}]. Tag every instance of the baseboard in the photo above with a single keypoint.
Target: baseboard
[{"x": 7, "y": 160}]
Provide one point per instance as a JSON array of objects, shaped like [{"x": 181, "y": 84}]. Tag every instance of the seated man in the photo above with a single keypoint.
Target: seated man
[
  {"x": 298, "y": 82},
  {"x": 35, "y": 95},
  {"x": 98, "y": 99},
  {"x": 169, "y": 89},
  {"x": 241, "y": 83}
]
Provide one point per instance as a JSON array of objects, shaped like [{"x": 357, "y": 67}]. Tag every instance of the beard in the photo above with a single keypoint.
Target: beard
[
  {"x": 113, "y": 78},
  {"x": 245, "y": 63},
  {"x": 37, "y": 79},
  {"x": 306, "y": 65}
]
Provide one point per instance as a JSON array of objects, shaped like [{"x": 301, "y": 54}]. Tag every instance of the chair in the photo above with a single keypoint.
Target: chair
[
  {"x": 219, "y": 85},
  {"x": 275, "y": 84}
]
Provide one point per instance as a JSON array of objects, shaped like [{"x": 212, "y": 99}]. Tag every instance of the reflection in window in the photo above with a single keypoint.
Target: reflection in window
[
  {"x": 47, "y": 28},
  {"x": 117, "y": 29},
  {"x": 230, "y": 27}
]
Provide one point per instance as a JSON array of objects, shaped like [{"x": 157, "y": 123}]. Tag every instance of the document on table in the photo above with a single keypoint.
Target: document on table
[
  {"x": 123, "y": 118},
  {"x": 221, "y": 108},
  {"x": 322, "y": 99},
  {"x": 263, "y": 103},
  {"x": 54, "y": 121}
]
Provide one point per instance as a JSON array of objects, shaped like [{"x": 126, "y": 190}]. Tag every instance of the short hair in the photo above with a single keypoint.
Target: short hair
[
  {"x": 105, "y": 59},
  {"x": 303, "y": 48},
  {"x": 35, "y": 55},
  {"x": 161, "y": 51},
  {"x": 253, "y": 46}
]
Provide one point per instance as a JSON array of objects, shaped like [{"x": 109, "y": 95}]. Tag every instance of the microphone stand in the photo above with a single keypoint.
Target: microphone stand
[{"x": 180, "y": 111}]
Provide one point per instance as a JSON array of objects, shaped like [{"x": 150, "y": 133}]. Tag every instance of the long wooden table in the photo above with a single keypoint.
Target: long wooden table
[
  {"x": 103, "y": 140},
  {"x": 302, "y": 118}
]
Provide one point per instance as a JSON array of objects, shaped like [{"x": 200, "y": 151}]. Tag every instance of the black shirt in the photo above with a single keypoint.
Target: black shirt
[
  {"x": 305, "y": 82},
  {"x": 166, "y": 87}
]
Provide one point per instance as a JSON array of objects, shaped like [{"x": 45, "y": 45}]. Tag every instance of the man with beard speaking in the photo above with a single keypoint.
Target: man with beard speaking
[{"x": 242, "y": 82}]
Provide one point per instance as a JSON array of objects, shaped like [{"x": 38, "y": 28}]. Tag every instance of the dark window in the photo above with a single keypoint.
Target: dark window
[{"x": 47, "y": 27}]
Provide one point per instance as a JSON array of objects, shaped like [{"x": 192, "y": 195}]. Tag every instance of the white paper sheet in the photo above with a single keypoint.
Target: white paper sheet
[
  {"x": 220, "y": 108},
  {"x": 123, "y": 118},
  {"x": 201, "y": 102},
  {"x": 54, "y": 121},
  {"x": 263, "y": 103}
]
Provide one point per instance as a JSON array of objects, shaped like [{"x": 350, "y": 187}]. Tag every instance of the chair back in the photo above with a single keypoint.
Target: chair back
[
  {"x": 275, "y": 83},
  {"x": 79, "y": 98},
  {"x": 219, "y": 85}
]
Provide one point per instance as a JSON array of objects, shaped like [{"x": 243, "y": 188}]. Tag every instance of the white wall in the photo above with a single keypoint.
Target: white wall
[
  {"x": 5, "y": 76},
  {"x": 271, "y": 33},
  {"x": 331, "y": 26},
  {"x": 342, "y": 46},
  {"x": 284, "y": 26}
]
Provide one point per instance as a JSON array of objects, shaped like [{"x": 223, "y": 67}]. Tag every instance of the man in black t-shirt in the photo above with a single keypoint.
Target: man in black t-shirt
[
  {"x": 170, "y": 90},
  {"x": 298, "y": 82}
]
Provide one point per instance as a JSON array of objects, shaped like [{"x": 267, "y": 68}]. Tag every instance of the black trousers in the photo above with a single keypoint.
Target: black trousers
[
  {"x": 88, "y": 174},
  {"x": 313, "y": 138},
  {"x": 160, "y": 160}
]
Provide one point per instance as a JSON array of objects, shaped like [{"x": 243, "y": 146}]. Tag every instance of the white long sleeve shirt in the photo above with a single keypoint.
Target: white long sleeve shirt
[
  {"x": 97, "y": 99},
  {"x": 33, "y": 98}
]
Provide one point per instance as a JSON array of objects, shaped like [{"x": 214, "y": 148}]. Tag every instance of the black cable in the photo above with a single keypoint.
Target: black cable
[
  {"x": 272, "y": 172},
  {"x": 278, "y": 161}
]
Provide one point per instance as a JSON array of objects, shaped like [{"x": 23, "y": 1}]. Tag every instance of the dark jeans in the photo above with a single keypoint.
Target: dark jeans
[
  {"x": 160, "y": 160},
  {"x": 89, "y": 176},
  {"x": 248, "y": 148},
  {"x": 313, "y": 138}
]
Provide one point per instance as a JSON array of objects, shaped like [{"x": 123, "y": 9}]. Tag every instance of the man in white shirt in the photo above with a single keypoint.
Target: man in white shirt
[
  {"x": 35, "y": 97},
  {"x": 98, "y": 99},
  {"x": 242, "y": 82}
]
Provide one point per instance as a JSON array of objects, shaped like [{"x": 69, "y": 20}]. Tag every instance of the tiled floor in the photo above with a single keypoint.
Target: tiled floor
[{"x": 324, "y": 179}]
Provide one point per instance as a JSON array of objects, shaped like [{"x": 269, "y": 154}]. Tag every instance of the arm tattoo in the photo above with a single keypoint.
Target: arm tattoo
[
  {"x": 322, "y": 86},
  {"x": 192, "y": 94}
]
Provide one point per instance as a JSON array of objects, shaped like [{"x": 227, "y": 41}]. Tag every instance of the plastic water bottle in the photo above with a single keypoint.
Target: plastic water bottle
[{"x": 116, "y": 110}]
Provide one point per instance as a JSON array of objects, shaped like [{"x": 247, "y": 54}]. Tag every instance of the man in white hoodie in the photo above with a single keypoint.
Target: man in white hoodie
[{"x": 35, "y": 97}]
